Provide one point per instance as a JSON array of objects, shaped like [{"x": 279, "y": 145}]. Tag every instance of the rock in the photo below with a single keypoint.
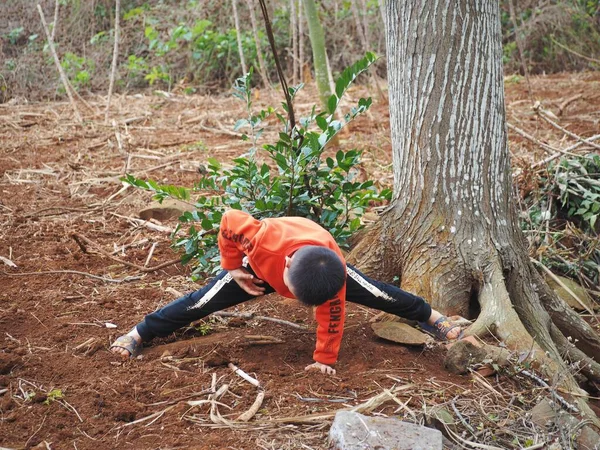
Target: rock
[
  {"x": 543, "y": 413},
  {"x": 588, "y": 439},
  {"x": 463, "y": 355},
  {"x": 401, "y": 333},
  {"x": 568, "y": 298},
  {"x": 468, "y": 352},
  {"x": 168, "y": 209},
  {"x": 354, "y": 431}
]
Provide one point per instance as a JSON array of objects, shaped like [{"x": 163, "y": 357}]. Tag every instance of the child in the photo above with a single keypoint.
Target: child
[{"x": 296, "y": 258}]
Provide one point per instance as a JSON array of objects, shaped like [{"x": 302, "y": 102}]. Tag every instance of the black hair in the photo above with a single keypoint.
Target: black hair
[{"x": 316, "y": 274}]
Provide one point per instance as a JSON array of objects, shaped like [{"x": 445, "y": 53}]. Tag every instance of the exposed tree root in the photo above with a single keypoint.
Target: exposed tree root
[
  {"x": 510, "y": 298},
  {"x": 500, "y": 318}
]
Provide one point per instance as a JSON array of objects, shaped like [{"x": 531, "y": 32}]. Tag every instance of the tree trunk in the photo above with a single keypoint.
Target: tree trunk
[
  {"x": 300, "y": 43},
  {"x": 261, "y": 63},
  {"x": 382, "y": 12},
  {"x": 55, "y": 21},
  {"x": 452, "y": 233},
  {"x": 238, "y": 33},
  {"x": 115, "y": 58},
  {"x": 359, "y": 28},
  {"x": 365, "y": 21},
  {"x": 294, "y": 35},
  {"x": 317, "y": 42}
]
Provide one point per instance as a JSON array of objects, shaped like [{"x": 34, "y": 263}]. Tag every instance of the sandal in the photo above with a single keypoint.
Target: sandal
[
  {"x": 128, "y": 343},
  {"x": 441, "y": 328}
]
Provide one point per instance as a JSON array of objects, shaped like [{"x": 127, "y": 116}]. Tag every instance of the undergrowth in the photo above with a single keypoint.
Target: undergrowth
[
  {"x": 561, "y": 218},
  {"x": 192, "y": 46}
]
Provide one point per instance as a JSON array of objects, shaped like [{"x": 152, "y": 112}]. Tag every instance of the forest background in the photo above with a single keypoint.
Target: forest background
[{"x": 192, "y": 45}]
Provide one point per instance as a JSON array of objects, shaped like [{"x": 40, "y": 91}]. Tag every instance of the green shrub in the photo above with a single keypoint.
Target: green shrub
[
  {"x": 78, "y": 69},
  {"x": 291, "y": 177},
  {"x": 562, "y": 218}
]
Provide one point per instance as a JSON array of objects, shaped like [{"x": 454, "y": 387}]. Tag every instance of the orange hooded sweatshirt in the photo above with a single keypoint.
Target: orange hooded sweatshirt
[{"x": 266, "y": 243}]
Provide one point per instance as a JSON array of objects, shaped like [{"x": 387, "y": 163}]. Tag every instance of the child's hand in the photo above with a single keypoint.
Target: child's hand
[
  {"x": 322, "y": 367},
  {"x": 247, "y": 281}
]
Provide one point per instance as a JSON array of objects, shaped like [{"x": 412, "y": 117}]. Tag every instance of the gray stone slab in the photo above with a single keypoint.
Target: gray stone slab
[
  {"x": 354, "y": 431},
  {"x": 401, "y": 333}
]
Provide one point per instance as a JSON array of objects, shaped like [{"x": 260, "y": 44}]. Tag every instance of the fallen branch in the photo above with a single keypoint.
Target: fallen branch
[
  {"x": 122, "y": 248},
  {"x": 8, "y": 262},
  {"x": 150, "y": 253},
  {"x": 544, "y": 115},
  {"x": 365, "y": 407},
  {"x": 567, "y": 102},
  {"x": 262, "y": 340},
  {"x": 563, "y": 152},
  {"x": 252, "y": 316},
  {"x": 75, "y": 272},
  {"x": 245, "y": 417},
  {"x": 529, "y": 137},
  {"x": 244, "y": 375},
  {"x": 156, "y": 415},
  {"x": 145, "y": 223},
  {"x": 82, "y": 240}
]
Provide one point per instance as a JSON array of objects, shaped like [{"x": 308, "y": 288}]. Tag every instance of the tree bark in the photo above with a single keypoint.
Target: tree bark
[{"x": 451, "y": 233}]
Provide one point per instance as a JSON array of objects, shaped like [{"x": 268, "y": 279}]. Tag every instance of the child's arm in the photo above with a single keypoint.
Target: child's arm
[
  {"x": 236, "y": 237},
  {"x": 330, "y": 319}
]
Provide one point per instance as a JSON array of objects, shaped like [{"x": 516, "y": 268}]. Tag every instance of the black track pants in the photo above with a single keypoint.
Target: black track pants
[{"x": 223, "y": 292}]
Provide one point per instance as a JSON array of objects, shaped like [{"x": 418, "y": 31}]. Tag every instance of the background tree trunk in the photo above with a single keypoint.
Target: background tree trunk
[
  {"x": 238, "y": 33},
  {"x": 261, "y": 62},
  {"x": 300, "y": 42},
  {"x": 317, "y": 42},
  {"x": 359, "y": 26},
  {"x": 294, "y": 37},
  {"x": 113, "y": 67},
  {"x": 451, "y": 233}
]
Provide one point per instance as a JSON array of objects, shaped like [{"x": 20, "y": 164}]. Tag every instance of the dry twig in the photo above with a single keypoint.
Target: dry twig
[
  {"x": 75, "y": 272},
  {"x": 82, "y": 241}
]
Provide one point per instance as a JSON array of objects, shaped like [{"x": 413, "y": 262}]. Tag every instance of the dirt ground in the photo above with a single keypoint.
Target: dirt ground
[{"x": 61, "y": 388}]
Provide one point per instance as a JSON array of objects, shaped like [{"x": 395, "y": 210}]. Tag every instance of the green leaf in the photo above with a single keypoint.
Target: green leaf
[
  {"x": 332, "y": 104},
  {"x": 321, "y": 122},
  {"x": 240, "y": 123},
  {"x": 213, "y": 163}
]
